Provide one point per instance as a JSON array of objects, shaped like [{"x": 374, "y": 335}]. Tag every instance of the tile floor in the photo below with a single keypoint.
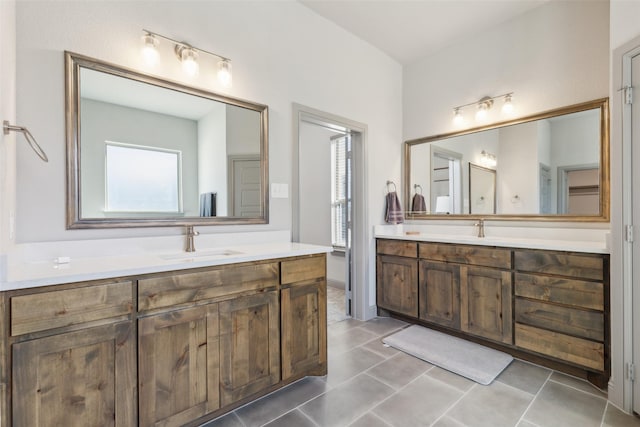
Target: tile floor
[
  {"x": 335, "y": 304},
  {"x": 370, "y": 385}
]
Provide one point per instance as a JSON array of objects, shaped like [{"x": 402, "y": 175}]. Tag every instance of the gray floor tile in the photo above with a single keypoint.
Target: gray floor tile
[
  {"x": 383, "y": 325},
  {"x": 347, "y": 340},
  {"x": 349, "y": 364},
  {"x": 377, "y": 346},
  {"x": 524, "y": 376},
  {"x": 399, "y": 370},
  {"x": 346, "y": 403},
  {"x": 448, "y": 422},
  {"x": 577, "y": 383},
  {"x": 525, "y": 423},
  {"x": 278, "y": 403},
  {"x": 494, "y": 405},
  {"x": 561, "y": 406},
  {"x": 614, "y": 417},
  {"x": 419, "y": 404},
  {"x": 369, "y": 420},
  {"x": 454, "y": 380},
  {"x": 229, "y": 420},
  {"x": 293, "y": 418},
  {"x": 343, "y": 325}
]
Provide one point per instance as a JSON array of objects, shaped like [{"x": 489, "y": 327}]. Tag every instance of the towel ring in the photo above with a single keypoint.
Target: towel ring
[
  {"x": 6, "y": 128},
  {"x": 416, "y": 186},
  {"x": 391, "y": 183}
]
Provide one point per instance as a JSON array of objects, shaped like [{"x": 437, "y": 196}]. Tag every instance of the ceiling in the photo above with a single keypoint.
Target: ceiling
[{"x": 409, "y": 30}]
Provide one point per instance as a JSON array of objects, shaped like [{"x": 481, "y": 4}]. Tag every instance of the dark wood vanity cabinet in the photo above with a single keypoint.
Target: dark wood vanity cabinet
[
  {"x": 548, "y": 306},
  {"x": 397, "y": 276},
  {"x": 170, "y": 349}
]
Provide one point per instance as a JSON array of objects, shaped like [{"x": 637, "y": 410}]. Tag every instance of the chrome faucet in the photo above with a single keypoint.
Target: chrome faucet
[
  {"x": 191, "y": 233},
  {"x": 480, "y": 225}
]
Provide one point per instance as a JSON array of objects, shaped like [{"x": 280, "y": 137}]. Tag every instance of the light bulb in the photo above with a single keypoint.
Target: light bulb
[
  {"x": 508, "y": 107},
  {"x": 224, "y": 72},
  {"x": 189, "y": 58},
  {"x": 458, "y": 119},
  {"x": 481, "y": 114},
  {"x": 149, "y": 49}
]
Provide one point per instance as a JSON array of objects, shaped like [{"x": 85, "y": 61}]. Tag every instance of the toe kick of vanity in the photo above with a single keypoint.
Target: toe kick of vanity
[
  {"x": 549, "y": 307},
  {"x": 171, "y": 348}
]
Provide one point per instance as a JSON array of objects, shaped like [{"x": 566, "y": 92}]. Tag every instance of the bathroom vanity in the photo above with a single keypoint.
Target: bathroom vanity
[
  {"x": 169, "y": 348},
  {"x": 547, "y": 306}
]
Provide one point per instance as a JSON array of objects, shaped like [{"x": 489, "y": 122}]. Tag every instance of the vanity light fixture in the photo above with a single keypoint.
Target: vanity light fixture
[
  {"x": 488, "y": 160},
  {"x": 187, "y": 54},
  {"x": 150, "y": 49},
  {"x": 483, "y": 106}
]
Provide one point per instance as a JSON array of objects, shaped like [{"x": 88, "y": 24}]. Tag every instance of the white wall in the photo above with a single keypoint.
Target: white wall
[
  {"x": 212, "y": 156},
  {"x": 281, "y": 51},
  {"x": 7, "y": 112},
  {"x": 553, "y": 56}
]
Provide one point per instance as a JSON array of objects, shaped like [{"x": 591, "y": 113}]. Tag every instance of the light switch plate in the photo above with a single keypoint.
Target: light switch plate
[{"x": 279, "y": 191}]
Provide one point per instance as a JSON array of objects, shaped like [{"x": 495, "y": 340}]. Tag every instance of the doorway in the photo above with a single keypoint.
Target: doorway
[{"x": 328, "y": 195}]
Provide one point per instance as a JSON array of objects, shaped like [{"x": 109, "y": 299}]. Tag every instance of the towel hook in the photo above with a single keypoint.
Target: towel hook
[
  {"x": 6, "y": 128},
  {"x": 391, "y": 183},
  {"x": 416, "y": 186}
]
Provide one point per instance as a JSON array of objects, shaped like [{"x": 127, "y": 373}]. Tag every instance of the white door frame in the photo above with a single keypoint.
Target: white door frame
[
  {"x": 625, "y": 340},
  {"x": 360, "y": 227}
]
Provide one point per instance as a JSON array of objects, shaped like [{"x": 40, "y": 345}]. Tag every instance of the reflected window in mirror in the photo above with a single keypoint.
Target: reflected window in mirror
[
  {"x": 554, "y": 165},
  {"x": 218, "y": 172}
]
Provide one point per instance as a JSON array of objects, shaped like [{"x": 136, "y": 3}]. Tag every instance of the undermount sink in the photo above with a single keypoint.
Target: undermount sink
[{"x": 201, "y": 254}]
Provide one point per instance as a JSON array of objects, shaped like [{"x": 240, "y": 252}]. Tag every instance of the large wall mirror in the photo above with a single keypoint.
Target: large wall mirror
[
  {"x": 142, "y": 151},
  {"x": 550, "y": 166}
]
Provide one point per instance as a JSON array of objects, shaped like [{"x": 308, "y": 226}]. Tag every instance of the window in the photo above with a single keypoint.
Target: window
[
  {"x": 339, "y": 195},
  {"x": 142, "y": 179}
]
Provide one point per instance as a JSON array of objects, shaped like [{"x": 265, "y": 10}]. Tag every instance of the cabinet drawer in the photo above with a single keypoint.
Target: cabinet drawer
[
  {"x": 577, "y": 293},
  {"x": 56, "y": 309},
  {"x": 178, "y": 288},
  {"x": 466, "y": 254},
  {"x": 572, "y": 321},
  {"x": 559, "y": 263},
  {"x": 579, "y": 351},
  {"x": 301, "y": 270},
  {"x": 398, "y": 248}
]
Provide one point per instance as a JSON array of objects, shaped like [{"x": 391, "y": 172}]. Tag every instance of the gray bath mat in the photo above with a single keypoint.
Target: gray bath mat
[{"x": 471, "y": 360}]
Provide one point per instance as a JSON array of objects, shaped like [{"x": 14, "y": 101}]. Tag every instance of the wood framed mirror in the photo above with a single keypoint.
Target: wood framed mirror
[
  {"x": 552, "y": 166},
  {"x": 144, "y": 151}
]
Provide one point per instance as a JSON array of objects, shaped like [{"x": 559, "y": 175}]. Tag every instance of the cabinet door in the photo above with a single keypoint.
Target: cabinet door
[
  {"x": 304, "y": 330},
  {"x": 249, "y": 345},
  {"x": 82, "y": 378},
  {"x": 179, "y": 365},
  {"x": 485, "y": 300},
  {"x": 440, "y": 293},
  {"x": 397, "y": 284}
]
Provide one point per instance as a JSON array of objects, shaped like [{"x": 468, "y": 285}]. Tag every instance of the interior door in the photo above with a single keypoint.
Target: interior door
[
  {"x": 635, "y": 183},
  {"x": 244, "y": 194}
]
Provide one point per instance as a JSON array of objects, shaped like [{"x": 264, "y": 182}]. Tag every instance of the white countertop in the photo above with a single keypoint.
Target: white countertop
[
  {"x": 28, "y": 274},
  {"x": 589, "y": 246}
]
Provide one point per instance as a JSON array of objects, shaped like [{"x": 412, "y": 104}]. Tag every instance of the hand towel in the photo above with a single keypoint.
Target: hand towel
[
  {"x": 394, "y": 213},
  {"x": 418, "y": 204}
]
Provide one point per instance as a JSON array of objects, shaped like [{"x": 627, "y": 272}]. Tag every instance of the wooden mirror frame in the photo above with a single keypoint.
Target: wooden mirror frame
[
  {"x": 604, "y": 196},
  {"x": 73, "y": 63}
]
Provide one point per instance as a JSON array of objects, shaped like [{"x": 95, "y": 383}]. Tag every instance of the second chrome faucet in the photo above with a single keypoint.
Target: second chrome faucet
[{"x": 191, "y": 233}]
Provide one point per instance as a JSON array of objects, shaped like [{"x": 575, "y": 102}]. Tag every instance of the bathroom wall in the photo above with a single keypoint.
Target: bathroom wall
[
  {"x": 281, "y": 51},
  {"x": 553, "y": 56},
  {"x": 7, "y": 142}
]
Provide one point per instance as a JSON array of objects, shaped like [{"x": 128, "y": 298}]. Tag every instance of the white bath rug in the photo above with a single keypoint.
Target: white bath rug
[{"x": 474, "y": 361}]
